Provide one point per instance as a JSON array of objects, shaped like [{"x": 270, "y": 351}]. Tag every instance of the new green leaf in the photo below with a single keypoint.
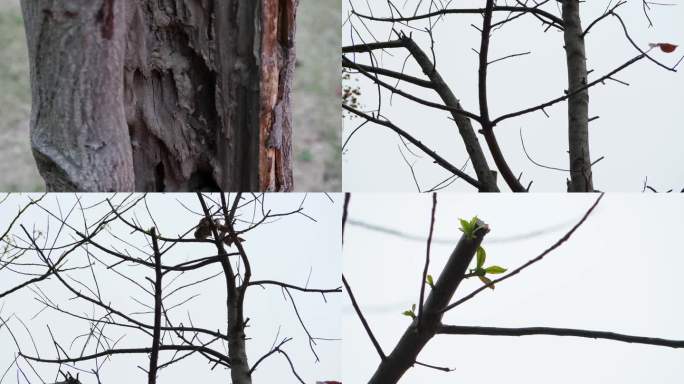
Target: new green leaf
[
  {"x": 481, "y": 256},
  {"x": 469, "y": 227},
  {"x": 410, "y": 314},
  {"x": 495, "y": 269}
]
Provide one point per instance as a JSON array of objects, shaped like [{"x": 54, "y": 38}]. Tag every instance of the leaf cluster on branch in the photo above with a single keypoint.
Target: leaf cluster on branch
[{"x": 427, "y": 322}]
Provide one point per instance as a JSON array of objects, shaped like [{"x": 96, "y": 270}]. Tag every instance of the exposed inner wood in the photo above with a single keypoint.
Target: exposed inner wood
[
  {"x": 277, "y": 60},
  {"x": 198, "y": 91}
]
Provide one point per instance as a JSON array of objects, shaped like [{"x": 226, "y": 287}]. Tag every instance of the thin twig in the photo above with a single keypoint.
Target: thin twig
[
  {"x": 363, "y": 320},
  {"x": 427, "y": 259},
  {"x": 536, "y": 259},
  {"x": 496, "y": 331}
]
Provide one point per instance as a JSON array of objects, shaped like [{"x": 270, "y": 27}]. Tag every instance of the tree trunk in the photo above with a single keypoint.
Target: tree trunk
[
  {"x": 237, "y": 350},
  {"x": 578, "y": 103},
  {"x": 171, "y": 95}
]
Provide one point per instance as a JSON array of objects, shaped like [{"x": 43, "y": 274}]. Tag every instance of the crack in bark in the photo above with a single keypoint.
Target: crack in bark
[
  {"x": 191, "y": 104},
  {"x": 106, "y": 17}
]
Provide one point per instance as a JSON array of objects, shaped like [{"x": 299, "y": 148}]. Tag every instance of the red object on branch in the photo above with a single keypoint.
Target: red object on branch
[{"x": 665, "y": 47}]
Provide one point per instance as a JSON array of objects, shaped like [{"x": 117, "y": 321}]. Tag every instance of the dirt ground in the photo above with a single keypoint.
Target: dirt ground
[{"x": 317, "y": 119}]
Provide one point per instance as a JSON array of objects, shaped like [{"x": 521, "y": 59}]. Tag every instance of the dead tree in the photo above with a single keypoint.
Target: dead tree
[
  {"x": 436, "y": 298},
  {"x": 365, "y": 58},
  {"x": 160, "y": 271},
  {"x": 162, "y": 96}
]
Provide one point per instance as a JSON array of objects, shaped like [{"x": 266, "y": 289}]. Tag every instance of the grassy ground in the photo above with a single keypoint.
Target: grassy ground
[
  {"x": 317, "y": 119},
  {"x": 17, "y": 169},
  {"x": 317, "y": 115}
]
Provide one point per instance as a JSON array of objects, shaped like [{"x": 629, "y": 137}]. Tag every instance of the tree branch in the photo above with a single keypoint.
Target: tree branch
[
  {"x": 156, "y": 333},
  {"x": 296, "y": 288},
  {"x": 554, "y": 20},
  {"x": 377, "y": 346},
  {"x": 451, "y": 108},
  {"x": 236, "y": 336},
  {"x": 414, "y": 339},
  {"x": 438, "y": 159},
  {"x": 126, "y": 351},
  {"x": 487, "y": 125},
  {"x": 386, "y": 72},
  {"x": 485, "y": 175},
  {"x": 578, "y": 100},
  {"x": 495, "y": 331},
  {"x": 536, "y": 259},
  {"x": 600, "y": 80},
  {"x": 345, "y": 212},
  {"x": 423, "y": 281}
]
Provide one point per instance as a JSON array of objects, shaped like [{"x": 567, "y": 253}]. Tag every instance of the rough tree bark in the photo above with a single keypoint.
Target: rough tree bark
[
  {"x": 578, "y": 103},
  {"x": 171, "y": 95}
]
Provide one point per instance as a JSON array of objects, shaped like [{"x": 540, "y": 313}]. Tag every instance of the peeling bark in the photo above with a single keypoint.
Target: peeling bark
[
  {"x": 186, "y": 97},
  {"x": 277, "y": 67},
  {"x": 578, "y": 103}
]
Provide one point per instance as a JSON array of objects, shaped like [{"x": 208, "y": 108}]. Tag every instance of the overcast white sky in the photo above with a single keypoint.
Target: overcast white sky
[
  {"x": 639, "y": 130},
  {"x": 620, "y": 272},
  {"x": 285, "y": 250}
]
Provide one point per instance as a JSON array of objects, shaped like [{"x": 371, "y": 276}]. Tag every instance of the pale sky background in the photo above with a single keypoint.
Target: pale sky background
[
  {"x": 284, "y": 250},
  {"x": 620, "y": 272},
  {"x": 639, "y": 129}
]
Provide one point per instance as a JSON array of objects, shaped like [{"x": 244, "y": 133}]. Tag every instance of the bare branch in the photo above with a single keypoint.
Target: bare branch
[
  {"x": 495, "y": 331},
  {"x": 438, "y": 159},
  {"x": 555, "y": 20},
  {"x": 557, "y": 244},
  {"x": 363, "y": 320},
  {"x": 423, "y": 281}
]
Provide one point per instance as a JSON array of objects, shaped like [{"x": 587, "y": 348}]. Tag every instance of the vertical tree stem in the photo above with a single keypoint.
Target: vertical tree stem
[
  {"x": 578, "y": 103},
  {"x": 154, "y": 355},
  {"x": 79, "y": 134},
  {"x": 487, "y": 125}
]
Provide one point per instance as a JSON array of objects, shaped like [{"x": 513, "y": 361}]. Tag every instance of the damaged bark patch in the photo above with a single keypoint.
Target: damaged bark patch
[
  {"x": 285, "y": 20},
  {"x": 106, "y": 17},
  {"x": 277, "y": 60},
  {"x": 203, "y": 180},
  {"x": 199, "y": 108},
  {"x": 159, "y": 177}
]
